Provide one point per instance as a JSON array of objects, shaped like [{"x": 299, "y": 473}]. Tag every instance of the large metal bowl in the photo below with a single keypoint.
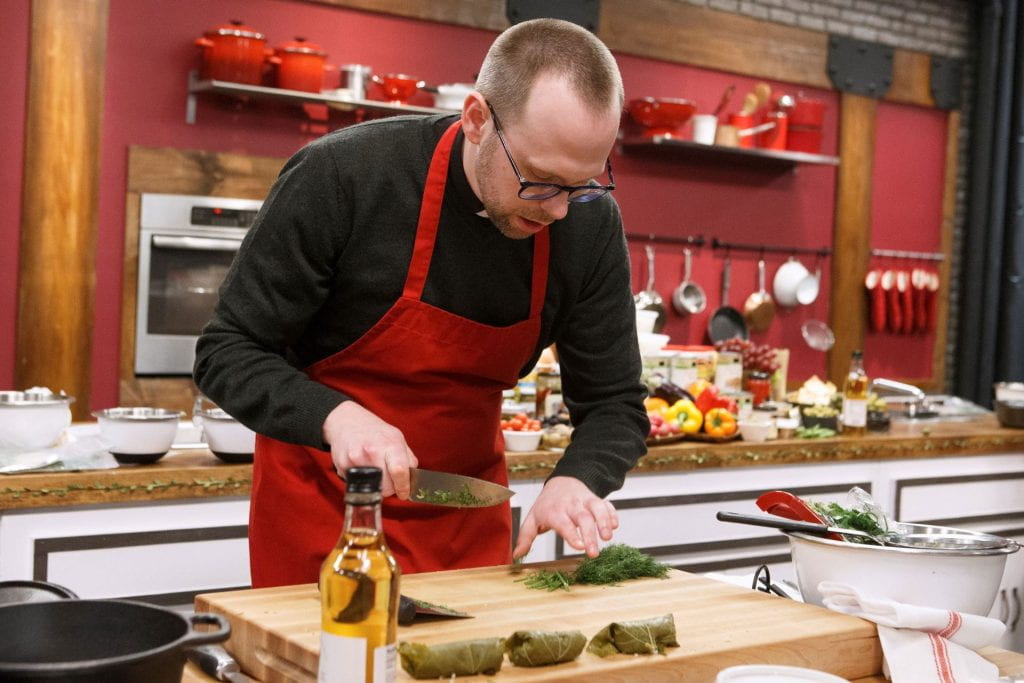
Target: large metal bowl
[{"x": 965, "y": 580}]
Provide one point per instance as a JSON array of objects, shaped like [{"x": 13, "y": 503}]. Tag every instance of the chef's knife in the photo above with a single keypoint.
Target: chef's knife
[
  {"x": 215, "y": 661},
  {"x": 410, "y": 608},
  {"x": 455, "y": 490}
]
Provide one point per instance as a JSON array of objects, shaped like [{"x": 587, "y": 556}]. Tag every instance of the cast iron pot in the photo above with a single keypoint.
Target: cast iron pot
[{"x": 94, "y": 641}]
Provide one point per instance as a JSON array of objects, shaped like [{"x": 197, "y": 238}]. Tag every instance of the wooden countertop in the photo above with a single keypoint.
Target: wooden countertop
[
  {"x": 276, "y": 630},
  {"x": 199, "y": 474}
]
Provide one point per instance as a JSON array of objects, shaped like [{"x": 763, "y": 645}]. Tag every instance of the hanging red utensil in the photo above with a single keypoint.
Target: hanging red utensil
[
  {"x": 906, "y": 301},
  {"x": 931, "y": 300},
  {"x": 893, "y": 312},
  {"x": 876, "y": 300}
]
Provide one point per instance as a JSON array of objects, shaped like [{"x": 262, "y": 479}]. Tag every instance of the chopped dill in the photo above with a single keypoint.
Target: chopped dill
[
  {"x": 616, "y": 563},
  {"x": 461, "y": 498}
]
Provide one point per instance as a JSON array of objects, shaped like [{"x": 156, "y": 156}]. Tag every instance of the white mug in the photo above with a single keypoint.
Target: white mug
[
  {"x": 704, "y": 126},
  {"x": 789, "y": 279}
]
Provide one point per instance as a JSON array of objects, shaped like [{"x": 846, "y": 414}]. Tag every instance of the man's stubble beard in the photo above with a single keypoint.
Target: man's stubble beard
[{"x": 485, "y": 173}]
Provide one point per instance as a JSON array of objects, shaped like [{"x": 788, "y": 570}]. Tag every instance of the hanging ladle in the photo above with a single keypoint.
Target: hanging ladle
[
  {"x": 649, "y": 299},
  {"x": 688, "y": 297}
]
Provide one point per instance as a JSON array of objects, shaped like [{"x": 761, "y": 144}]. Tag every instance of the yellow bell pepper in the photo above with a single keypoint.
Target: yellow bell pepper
[
  {"x": 687, "y": 415},
  {"x": 720, "y": 422}
]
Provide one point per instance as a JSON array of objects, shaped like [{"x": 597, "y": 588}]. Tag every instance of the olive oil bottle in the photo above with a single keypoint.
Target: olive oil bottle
[
  {"x": 855, "y": 398},
  {"x": 359, "y": 591}
]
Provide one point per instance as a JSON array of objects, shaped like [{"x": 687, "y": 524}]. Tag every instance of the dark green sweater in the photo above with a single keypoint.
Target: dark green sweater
[{"x": 328, "y": 255}]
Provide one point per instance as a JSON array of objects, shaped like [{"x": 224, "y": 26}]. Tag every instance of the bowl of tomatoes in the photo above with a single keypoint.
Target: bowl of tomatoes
[{"x": 521, "y": 432}]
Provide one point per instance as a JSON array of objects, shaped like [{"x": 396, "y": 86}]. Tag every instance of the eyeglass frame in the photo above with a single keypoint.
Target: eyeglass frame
[{"x": 524, "y": 184}]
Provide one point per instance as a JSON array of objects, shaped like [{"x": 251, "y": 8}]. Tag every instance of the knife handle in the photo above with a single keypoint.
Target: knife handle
[
  {"x": 406, "y": 611},
  {"x": 214, "y": 661}
]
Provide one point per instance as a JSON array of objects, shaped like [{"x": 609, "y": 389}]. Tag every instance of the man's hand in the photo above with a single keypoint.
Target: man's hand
[
  {"x": 566, "y": 505},
  {"x": 358, "y": 438}
]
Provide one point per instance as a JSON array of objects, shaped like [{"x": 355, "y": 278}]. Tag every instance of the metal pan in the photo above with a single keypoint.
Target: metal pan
[{"x": 727, "y": 322}]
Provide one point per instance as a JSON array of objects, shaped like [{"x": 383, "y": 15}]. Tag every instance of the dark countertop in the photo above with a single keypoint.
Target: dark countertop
[{"x": 198, "y": 474}]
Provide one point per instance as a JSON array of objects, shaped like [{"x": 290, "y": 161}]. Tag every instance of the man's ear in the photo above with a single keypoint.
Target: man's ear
[{"x": 474, "y": 116}]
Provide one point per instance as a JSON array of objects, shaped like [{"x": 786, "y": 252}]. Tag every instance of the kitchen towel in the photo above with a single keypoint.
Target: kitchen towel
[{"x": 922, "y": 644}]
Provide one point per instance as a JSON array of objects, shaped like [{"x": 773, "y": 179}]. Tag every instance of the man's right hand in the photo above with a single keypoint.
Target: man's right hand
[{"x": 358, "y": 438}]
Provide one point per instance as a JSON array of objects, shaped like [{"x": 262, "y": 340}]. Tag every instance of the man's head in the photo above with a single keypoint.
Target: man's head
[{"x": 557, "y": 96}]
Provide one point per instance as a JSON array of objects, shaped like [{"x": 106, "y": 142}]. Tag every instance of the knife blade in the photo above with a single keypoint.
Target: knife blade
[
  {"x": 215, "y": 661},
  {"x": 410, "y": 608},
  {"x": 455, "y": 490}
]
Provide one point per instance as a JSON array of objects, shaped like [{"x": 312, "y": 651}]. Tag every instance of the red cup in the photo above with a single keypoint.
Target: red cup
[
  {"x": 741, "y": 122},
  {"x": 805, "y": 126}
]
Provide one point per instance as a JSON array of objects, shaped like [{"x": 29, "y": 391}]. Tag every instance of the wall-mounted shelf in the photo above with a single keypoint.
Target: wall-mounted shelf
[
  {"x": 335, "y": 99},
  {"x": 762, "y": 158}
]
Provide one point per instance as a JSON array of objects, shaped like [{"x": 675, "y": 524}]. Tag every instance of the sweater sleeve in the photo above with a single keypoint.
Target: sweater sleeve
[
  {"x": 600, "y": 365},
  {"x": 278, "y": 281}
]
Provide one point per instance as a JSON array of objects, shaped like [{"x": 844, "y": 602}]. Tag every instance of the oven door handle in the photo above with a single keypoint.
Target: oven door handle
[{"x": 196, "y": 243}]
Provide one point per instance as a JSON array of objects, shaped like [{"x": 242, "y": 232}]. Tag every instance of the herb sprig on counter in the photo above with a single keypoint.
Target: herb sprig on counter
[{"x": 616, "y": 563}]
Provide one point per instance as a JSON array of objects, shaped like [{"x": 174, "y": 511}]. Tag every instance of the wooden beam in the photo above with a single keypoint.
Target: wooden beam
[
  {"x": 852, "y": 232},
  {"x": 945, "y": 266},
  {"x": 675, "y": 31},
  {"x": 67, "y": 55}
]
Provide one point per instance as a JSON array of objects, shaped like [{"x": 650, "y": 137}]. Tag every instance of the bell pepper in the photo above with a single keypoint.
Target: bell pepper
[
  {"x": 719, "y": 422},
  {"x": 710, "y": 398},
  {"x": 687, "y": 415}
]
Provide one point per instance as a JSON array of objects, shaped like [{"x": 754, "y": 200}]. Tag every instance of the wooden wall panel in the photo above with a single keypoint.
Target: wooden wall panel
[
  {"x": 938, "y": 382},
  {"x": 60, "y": 194},
  {"x": 852, "y": 233}
]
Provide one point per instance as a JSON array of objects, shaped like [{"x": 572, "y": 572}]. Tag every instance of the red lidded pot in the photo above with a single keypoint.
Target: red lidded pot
[
  {"x": 300, "y": 66},
  {"x": 233, "y": 52}
]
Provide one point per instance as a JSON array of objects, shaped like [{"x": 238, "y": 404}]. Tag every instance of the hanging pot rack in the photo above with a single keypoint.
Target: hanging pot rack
[
  {"x": 688, "y": 240},
  {"x": 912, "y": 255},
  {"x": 768, "y": 248}
]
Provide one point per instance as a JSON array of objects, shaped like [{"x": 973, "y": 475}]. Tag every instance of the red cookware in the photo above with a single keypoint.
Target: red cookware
[
  {"x": 876, "y": 300},
  {"x": 893, "y": 310},
  {"x": 300, "y": 66},
  {"x": 906, "y": 301},
  {"x": 931, "y": 298},
  {"x": 805, "y": 124},
  {"x": 785, "y": 504},
  {"x": 919, "y": 282},
  {"x": 398, "y": 87},
  {"x": 661, "y": 116},
  {"x": 233, "y": 52}
]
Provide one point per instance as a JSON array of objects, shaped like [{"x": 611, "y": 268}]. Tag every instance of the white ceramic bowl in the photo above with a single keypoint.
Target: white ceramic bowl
[
  {"x": 138, "y": 435},
  {"x": 452, "y": 95},
  {"x": 33, "y": 419},
  {"x": 651, "y": 343},
  {"x": 788, "y": 280},
  {"x": 229, "y": 439},
  {"x": 521, "y": 441},
  {"x": 773, "y": 673},
  {"x": 645, "y": 321},
  {"x": 964, "y": 581},
  {"x": 755, "y": 431},
  {"x": 1009, "y": 391}
]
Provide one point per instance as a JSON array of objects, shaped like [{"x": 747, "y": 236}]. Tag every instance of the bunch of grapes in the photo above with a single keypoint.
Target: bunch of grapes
[{"x": 757, "y": 357}]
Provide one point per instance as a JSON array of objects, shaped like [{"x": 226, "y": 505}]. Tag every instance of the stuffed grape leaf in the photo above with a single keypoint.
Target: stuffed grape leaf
[
  {"x": 459, "y": 658},
  {"x": 539, "y": 648},
  {"x": 641, "y": 637}
]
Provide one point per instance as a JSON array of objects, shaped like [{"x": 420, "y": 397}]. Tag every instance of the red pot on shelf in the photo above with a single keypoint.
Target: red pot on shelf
[
  {"x": 805, "y": 126},
  {"x": 300, "y": 66},
  {"x": 233, "y": 52}
]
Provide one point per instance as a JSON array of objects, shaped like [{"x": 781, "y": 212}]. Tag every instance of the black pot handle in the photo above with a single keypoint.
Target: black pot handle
[{"x": 194, "y": 637}]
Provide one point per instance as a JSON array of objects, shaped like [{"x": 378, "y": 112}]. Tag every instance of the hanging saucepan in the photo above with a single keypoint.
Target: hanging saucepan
[
  {"x": 727, "y": 322},
  {"x": 649, "y": 299},
  {"x": 688, "y": 297},
  {"x": 95, "y": 641}
]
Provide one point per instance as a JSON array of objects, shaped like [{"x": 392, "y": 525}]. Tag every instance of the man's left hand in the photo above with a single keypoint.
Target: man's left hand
[{"x": 579, "y": 516}]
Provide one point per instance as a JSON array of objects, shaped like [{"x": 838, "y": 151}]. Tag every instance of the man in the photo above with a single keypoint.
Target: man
[{"x": 400, "y": 275}]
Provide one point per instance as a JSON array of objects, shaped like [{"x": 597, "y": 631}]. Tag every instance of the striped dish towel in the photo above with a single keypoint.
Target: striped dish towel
[{"x": 922, "y": 644}]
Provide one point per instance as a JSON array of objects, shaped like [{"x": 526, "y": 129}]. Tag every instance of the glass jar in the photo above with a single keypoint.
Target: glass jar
[{"x": 759, "y": 384}]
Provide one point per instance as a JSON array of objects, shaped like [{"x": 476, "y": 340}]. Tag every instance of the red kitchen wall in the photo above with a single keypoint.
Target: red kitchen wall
[
  {"x": 150, "y": 52},
  {"x": 14, "y": 30},
  {"x": 906, "y": 215}
]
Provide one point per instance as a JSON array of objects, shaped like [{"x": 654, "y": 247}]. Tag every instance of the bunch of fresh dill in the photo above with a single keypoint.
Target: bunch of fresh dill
[{"x": 616, "y": 563}]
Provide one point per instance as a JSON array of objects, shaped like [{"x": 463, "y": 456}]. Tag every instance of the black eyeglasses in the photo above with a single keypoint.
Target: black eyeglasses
[{"x": 530, "y": 190}]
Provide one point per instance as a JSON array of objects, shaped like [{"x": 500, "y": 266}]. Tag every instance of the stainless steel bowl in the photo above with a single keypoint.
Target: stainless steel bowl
[{"x": 141, "y": 414}]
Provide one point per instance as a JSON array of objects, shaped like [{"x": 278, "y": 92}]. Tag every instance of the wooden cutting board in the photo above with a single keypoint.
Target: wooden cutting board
[{"x": 276, "y": 631}]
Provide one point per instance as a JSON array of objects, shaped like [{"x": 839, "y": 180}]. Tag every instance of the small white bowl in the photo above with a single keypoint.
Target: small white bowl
[
  {"x": 755, "y": 431},
  {"x": 772, "y": 673},
  {"x": 228, "y": 439},
  {"x": 33, "y": 419},
  {"x": 138, "y": 435},
  {"x": 651, "y": 343},
  {"x": 645, "y": 321},
  {"x": 521, "y": 441}
]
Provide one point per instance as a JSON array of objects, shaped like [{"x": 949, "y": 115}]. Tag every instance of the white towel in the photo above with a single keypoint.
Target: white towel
[{"x": 922, "y": 644}]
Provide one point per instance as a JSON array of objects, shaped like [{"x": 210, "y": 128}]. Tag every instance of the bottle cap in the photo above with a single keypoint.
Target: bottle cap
[{"x": 363, "y": 479}]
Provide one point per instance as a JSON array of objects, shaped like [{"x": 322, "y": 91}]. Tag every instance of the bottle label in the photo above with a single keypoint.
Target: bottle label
[
  {"x": 855, "y": 412},
  {"x": 343, "y": 660},
  {"x": 384, "y": 663}
]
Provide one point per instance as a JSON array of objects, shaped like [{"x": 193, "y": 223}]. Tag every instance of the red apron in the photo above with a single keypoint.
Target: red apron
[{"x": 437, "y": 377}]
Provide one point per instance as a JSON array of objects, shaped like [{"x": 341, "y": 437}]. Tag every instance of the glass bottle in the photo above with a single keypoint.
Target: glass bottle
[
  {"x": 549, "y": 391},
  {"x": 359, "y": 591},
  {"x": 855, "y": 397}
]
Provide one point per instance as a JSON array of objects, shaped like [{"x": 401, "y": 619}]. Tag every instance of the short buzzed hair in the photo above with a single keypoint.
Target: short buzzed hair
[{"x": 523, "y": 52}]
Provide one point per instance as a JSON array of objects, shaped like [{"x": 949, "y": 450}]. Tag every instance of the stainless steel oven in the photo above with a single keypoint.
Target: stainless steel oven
[{"x": 186, "y": 244}]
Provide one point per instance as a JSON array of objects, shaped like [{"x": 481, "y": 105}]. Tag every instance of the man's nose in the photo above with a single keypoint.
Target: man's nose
[{"x": 557, "y": 207}]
